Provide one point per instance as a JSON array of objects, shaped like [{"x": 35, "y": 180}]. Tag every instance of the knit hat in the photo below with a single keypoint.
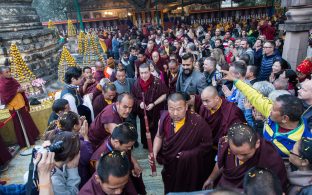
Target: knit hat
[
  {"x": 305, "y": 67},
  {"x": 111, "y": 62}
]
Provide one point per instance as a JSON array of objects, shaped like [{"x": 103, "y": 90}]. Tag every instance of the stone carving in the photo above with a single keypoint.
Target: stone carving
[{"x": 20, "y": 24}]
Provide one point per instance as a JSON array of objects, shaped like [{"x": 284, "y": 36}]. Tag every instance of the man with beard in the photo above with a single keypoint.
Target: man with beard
[
  {"x": 111, "y": 115},
  {"x": 182, "y": 145},
  {"x": 241, "y": 150},
  {"x": 190, "y": 81},
  {"x": 127, "y": 64},
  {"x": 155, "y": 91}
]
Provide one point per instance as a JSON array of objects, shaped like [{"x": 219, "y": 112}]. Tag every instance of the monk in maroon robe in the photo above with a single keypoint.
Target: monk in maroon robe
[
  {"x": 111, "y": 115},
  {"x": 106, "y": 98},
  {"x": 5, "y": 154},
  {"x": 155, "y": 92},
  {"x": 141, "y": 60},
  {"x": 172, "y": 75},
  {"x": 219, "y": 113},
  {"x": 87, "y": 83},
  {"x": 123, "y": 139},
  {"x": 99, "y": 73},
  {"x": 150, "y": 49},
  {"x": 241, "y": 150},
  {"x": 12, "y": 95},
  {"x": 182, "y": 145},
  {"x": 112, "y": 177}
]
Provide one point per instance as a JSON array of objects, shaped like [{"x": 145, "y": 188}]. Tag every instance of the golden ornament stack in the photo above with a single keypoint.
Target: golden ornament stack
[
  {"x": 80, "y": 42},
  {"x": 87, "y": 53},
  {"x": 66, "y": 61},
  {"x": 94, "y": 44},
  {"x": 19, "y": 69},
  {"x": 71, "y": 30}
]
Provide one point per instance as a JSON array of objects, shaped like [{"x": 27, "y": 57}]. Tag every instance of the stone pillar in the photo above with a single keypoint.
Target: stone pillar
[
  {"x": 20, "y": 24},
  {"x": 297, "y": 26}
]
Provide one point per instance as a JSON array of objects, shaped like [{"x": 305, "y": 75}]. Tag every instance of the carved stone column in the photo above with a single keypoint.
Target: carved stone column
[
  {"x": 297, "y": 26},
  {"x": 20, "y": 24}
]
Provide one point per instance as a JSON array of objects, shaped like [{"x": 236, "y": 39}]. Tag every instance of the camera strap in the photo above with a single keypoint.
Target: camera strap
[{"x": 30, "y": 190}]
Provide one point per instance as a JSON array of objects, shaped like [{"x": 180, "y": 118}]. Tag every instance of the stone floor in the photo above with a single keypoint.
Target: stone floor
[{"x": 19, "y": 165}]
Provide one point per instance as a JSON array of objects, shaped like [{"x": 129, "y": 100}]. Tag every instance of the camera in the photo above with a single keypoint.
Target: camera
[{"x": 56, "y": 147}]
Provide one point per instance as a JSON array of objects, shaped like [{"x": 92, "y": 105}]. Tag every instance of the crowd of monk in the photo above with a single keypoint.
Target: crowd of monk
[{"x": 226, "y": 114}]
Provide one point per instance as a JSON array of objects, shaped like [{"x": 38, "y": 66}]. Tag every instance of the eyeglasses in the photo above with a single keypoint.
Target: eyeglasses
[{"x": 300, "y": 157}]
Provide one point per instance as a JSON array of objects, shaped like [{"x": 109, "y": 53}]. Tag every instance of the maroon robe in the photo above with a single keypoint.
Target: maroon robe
[
  {"x": 98, "y": 75},
  {"x": 5, "y": 154},
  {"x": 148, "y": 53},
  {"x": 156, "y": 89},
  {"x": 8, "y": 90},
  {"x": 94, "y": 188},
  {"x": 266, "y": 156},
  {"x": 194, "y": 140},
  {"x": 89, "y": 88},
  {"x": 98, "y": 104},
  {"x": 137, "y": 64},
  {"x": 227, "y": 115},
  {"x": 107, "y": 147},
  {"x": 97, "y": 132},
  {"x": 172, "y": 82}
]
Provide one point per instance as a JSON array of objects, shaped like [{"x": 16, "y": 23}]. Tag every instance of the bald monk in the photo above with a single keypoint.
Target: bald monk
[
  {"x": 155, "y": 92},
  {"x": 111, "y": 115},
  {"x": 13, "y": 96},
  {"x": 104, "y": 99},
  {"x": 182, "y": 145},
  {"x": 111, "y": 177},
  {"x": 219, "y": 113},
  {"x": 99, "y": 73},
  {"x": 241, "y": 150},
  {"x": 122, "y": 139}
]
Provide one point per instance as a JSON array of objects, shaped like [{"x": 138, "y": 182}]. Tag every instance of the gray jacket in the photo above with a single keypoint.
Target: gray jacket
[
  {"x": 193, "y": 84},
  {"x": 66, "y": 181}
]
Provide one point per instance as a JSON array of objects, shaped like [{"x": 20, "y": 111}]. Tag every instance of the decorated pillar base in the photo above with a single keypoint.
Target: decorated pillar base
[{"x": 297, "y": 26}]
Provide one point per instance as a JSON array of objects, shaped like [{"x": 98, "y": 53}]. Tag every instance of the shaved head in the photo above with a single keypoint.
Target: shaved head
[
  {"x": 98, "y": 64},
  {"x": 210, "y": 98},
  {"x": 210, "y": 91}
]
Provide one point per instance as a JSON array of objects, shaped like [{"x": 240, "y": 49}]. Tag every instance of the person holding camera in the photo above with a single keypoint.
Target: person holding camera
[
  {"x": 45, "y": 164},
  {"x": 65, "y": 179},
  {"x": 71, "y": 122}
]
